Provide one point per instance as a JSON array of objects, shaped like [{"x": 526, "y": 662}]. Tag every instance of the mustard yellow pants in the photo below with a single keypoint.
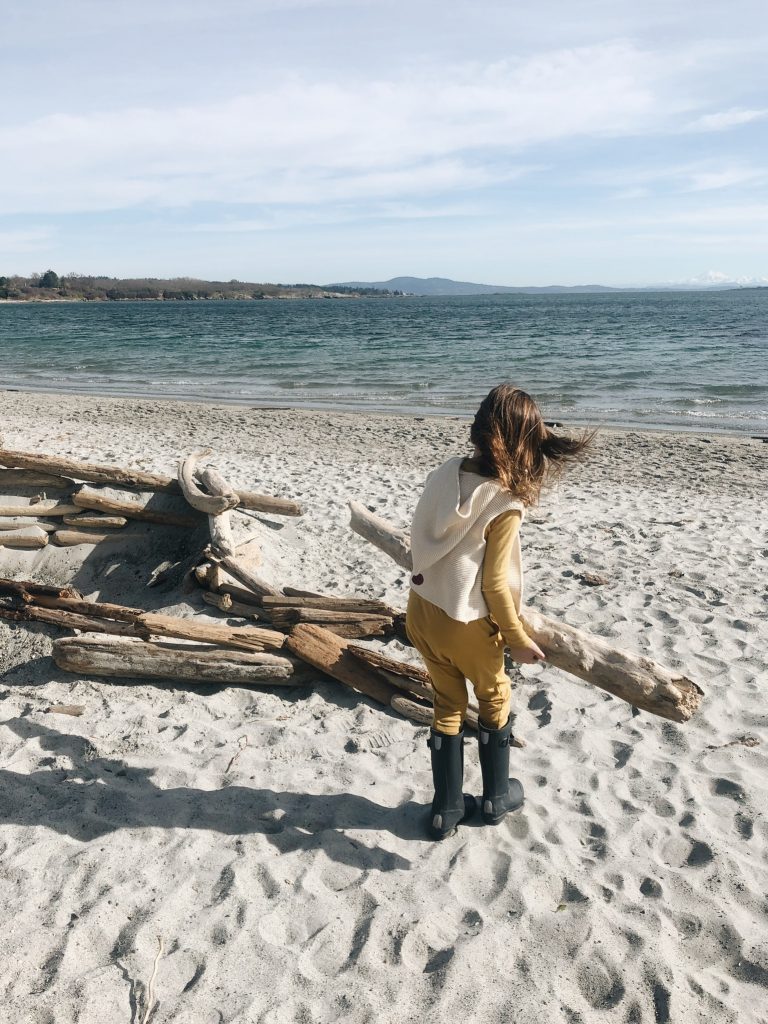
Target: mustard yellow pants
[{"x": 454, "y": 652}]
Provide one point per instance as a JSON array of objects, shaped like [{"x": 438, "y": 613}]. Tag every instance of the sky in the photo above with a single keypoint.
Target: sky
[{"x": 515, "y": 143}]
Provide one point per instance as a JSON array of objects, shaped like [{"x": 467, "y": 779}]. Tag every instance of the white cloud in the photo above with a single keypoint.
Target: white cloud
[
  {"x": 725, "y": 119},
  {"x": 314, "y": 141}
]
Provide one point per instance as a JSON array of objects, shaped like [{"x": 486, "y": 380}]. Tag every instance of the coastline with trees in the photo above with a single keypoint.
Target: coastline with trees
[{"x": 50, "y": 287}]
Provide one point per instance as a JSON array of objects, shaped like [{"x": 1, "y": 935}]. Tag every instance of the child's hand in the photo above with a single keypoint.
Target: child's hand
[{"x": 527, "y": 655}]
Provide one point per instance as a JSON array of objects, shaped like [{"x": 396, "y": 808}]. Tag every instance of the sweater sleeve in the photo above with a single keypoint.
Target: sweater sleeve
[{"x": 500, "y": 537}]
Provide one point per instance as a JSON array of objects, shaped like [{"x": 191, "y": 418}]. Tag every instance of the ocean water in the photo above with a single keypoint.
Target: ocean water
[{"x": 680, "y": 360}]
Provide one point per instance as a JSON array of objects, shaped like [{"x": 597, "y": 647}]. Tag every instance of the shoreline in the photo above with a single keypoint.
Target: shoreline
[{"x": 418, "y": 413}]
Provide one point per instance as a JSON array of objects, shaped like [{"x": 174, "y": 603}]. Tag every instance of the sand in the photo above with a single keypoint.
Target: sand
[{"x": 294, "y": 884}]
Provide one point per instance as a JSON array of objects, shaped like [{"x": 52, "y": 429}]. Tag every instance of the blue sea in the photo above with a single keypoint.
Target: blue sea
[{"x": 695, "y": 360}]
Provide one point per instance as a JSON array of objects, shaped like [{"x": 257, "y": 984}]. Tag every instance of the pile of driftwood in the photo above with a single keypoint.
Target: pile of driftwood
[{"x": 287, "y": 629}]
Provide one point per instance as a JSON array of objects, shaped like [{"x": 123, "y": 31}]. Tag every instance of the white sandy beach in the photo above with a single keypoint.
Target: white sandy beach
[{"x": 294, "y": 884}]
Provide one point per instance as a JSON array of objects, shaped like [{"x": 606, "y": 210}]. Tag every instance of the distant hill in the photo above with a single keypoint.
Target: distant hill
[{"x": 444, "y": 286}]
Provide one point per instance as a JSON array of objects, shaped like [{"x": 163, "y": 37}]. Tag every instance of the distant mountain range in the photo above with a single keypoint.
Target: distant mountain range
[{"x": 445, "y": 286}]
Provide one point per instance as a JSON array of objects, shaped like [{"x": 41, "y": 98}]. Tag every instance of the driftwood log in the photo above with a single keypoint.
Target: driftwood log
[
  {"x": 71, "y": 538},
  {"x": 21, "y": 522},
  {"x": 49, "y": 509},
  {"x": 124, "y": 657},
  {"x": 226, "y": 604},
  {"x": 71, "y": 620},
  {"x": 10, "y": 479},
  {"x": 95, "y": 520},
  {"x": 246, "y": 638},
  {"x": 137, "y": 479},
  {"x": 218, "y": 487},
  {"x": 358, "y": 605},
  {"x": 24, "y": 537},
  {"x": 26, "y": 590},
  {"x": 636, "y": 679},
  {"x": 91, "y": 472},
  {"x": 212, "y": 503},
  {"x": 328, "y": 652},
  {"x": 120, "y": 504}
]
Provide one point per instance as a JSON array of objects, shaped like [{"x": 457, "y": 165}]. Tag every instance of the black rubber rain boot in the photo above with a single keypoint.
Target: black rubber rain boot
[
  {"x": 450, "y": 806},
  {"x": 500, "y": 793}
]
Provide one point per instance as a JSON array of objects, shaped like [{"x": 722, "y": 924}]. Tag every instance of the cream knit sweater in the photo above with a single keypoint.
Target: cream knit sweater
[{"x": 448, "y": 541}]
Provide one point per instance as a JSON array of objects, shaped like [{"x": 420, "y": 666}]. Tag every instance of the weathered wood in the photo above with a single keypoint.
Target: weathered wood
[
  {"x": 251, "y": 580},
  {"x": 225, "y": 604},
  {"x": 24, "y": 537},
  {"x": 79, "y": 604},
  {"x": 71, "y": 538},
  {"x": 91, "y": 520},
  {"x": 382, "y": 534},
  {"x": 268, "y": 504},
  {"x": 222, "y": 539},
  {"x": 246, "y": 638},
  {"x": 47, "y": 509},
  {"x": 290, "y": 616},
  {"x": 359, "y": 630},
  {"x": 211, "y": 503},
  {"x": 137, "y": 479},
  {"x": 403, "y": 668},
  {"x": 134, "y": 508},
  {"x": 328, "y": 652},
  {"x": 361, "y": 605},
  {"x": 69, "y": 620},
  {"x": 217, "y": 486},
  {"x": 89, "y": 471},
  {"x": 26, "y": 590},
  {"x": 128, "y": 657},
  {"x": 23, "y": 522},
  {"x": 633, "y": 678},
  {"x": 10, "y": 479}
]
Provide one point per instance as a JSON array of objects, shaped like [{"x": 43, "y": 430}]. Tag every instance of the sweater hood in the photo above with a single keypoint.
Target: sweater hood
[{"x": 441, "y": 520}]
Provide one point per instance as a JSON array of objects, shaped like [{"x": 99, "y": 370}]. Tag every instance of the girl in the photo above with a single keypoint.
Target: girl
[{"x": 466, "y": 591}]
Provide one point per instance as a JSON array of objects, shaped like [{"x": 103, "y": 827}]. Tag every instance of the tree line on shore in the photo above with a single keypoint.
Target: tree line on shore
[{"x": 49, "y": 286}]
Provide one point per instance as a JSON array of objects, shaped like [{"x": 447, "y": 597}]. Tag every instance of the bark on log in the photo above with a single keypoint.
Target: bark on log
[
  {"x": 89, "y": 471},
  {"x": 636, "y": 679},
  {"x": 211, "y": 503},
  {"x": 24, "y": 522},
  {"x": 103, "y": 501},
  {"x": 328, "y": 652},
  {"x": 336, "y": 604},
  {"x": 10, "y": 479},
  {"x": 94, "y": 520},
  {"x": 25, "y": 537},
  {"x": 71, "y": 538},
  {"x": 123, "y": 657},
  {"x": 48, "y": 509}
]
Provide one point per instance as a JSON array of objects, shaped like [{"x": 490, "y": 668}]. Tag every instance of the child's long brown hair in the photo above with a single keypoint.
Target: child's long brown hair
[{"x": 516, "y": 446}]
